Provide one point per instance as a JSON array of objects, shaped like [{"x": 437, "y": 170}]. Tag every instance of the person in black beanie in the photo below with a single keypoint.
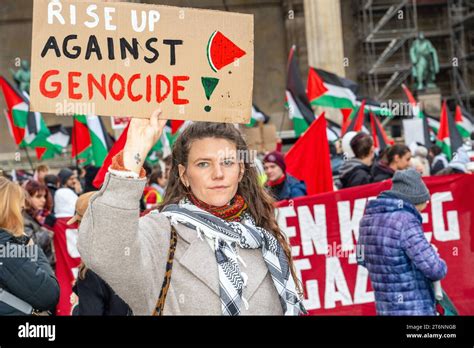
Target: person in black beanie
[
  {"x": 66, "y": 178},
  {"x": 66, "y": 196},
  {"x": 392, "y": 246},
  {"x": 281, "y": 185}
]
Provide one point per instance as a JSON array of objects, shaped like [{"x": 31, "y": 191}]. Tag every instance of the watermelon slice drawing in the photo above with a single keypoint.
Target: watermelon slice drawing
[{"x": 221, "y": 51}]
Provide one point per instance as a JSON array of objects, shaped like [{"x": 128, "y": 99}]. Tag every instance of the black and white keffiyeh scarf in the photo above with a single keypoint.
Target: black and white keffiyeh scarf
[{"x": 225, "y": 237}]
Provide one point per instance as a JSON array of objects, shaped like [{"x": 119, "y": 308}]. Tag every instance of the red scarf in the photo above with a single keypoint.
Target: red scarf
[
  {"x": 230, "y": 212},
  {"x": 277, "y": 181}
]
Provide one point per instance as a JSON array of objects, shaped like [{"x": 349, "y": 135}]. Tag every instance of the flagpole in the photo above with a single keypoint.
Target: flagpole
[
  {"x": 29, "y": 159},
  {"x": 75, "y": 143}
]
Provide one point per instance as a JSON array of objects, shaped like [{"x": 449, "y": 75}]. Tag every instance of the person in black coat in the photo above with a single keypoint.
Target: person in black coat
[
  {"x": 357, "y": 171},
  {"x": 96, "y": 297},
  {"x": 27, "y": 274}
]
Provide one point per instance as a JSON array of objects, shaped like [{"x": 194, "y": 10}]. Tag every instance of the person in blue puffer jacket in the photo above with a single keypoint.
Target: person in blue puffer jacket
[{"x": 402, "y": 264}]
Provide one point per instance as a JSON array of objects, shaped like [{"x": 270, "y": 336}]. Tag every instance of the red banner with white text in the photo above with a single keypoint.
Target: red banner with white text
[{"x": 324, "y": 228}]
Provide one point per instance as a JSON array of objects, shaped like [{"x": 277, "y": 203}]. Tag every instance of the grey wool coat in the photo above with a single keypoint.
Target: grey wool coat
[{"x": 130, "y": 253}]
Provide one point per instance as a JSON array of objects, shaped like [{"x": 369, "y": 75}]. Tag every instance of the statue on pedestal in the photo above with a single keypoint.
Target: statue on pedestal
[
  {"x": 424, "y": 58},
  {"x": 22, "y": 76}
]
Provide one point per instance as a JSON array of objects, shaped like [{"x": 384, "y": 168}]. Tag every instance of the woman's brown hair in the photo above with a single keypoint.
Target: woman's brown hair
[
  {"x": 32, "y": 187},
  {"x": 260, "y": 203},
  {"x": 12, "y": 200}
]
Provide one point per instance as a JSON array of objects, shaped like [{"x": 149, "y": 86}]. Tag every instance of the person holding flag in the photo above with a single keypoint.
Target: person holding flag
[{"x": 214, "y": 247}]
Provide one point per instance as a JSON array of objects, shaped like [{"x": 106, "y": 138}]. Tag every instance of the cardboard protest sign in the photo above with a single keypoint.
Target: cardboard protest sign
[
  {"x": 126, "y": 59},
  {"x": 262, "y": 138}
]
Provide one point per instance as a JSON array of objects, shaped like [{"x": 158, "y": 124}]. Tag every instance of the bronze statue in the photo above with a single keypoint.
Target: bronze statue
[
  {"x": 22, "y": 76},
  {"x": 424, "y": 58}
]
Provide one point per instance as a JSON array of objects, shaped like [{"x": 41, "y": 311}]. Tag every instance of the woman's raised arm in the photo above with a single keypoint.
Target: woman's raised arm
[{"x": 127, "y": 251}]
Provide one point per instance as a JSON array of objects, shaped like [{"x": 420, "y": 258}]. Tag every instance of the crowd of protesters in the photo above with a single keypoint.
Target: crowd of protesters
[
  {"x": 31, "y": 204},
  {"x": 364, "y": 166}
]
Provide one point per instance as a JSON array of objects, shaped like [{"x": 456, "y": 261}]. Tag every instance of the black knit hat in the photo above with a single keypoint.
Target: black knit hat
[{"x": 64, "y": 175}]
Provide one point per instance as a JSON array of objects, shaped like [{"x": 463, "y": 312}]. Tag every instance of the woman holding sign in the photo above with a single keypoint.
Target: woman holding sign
[{"x": 213, "y": 248}]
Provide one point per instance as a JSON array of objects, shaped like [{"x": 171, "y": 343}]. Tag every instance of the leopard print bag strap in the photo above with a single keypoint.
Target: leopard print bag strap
[{"x": 160, "y": 304}]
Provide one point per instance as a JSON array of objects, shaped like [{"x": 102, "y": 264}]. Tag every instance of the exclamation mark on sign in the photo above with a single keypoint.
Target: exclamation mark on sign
[{"x": 209, "y": 84}]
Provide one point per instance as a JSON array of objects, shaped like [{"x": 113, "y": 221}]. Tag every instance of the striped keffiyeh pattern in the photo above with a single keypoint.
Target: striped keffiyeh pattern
[{"x": 226, "y": 236}]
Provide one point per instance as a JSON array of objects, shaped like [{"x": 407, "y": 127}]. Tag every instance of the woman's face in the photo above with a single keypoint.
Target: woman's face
[
  {"x": 38, "y": 200},
  {"x": 403, "y": 162},
  {"x": 213, "y": 172}
]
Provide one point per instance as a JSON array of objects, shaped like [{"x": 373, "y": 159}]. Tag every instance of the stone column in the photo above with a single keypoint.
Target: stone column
[{"x": 324, "y": 35}]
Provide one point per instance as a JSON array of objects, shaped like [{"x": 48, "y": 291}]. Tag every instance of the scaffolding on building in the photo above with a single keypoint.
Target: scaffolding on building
[
  {"x": 461, "y": 20},
  {"x": 387, "y": 29},
  {"x": 382, "y": 42}
]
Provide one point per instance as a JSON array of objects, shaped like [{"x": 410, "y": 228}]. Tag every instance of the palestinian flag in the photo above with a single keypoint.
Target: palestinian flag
[
  {"x": 90, "y": 141},
  {"x": 415, "y": 106},
  {"x": 372, "y": 106},
  {"x": 176, "y": 125},
  {"x": 433, "y": 124},
  {"x": 381, "y": 140},
  {"x": 463, "y": 122},
  {"x": 329, "y": 90},
  {"x": 356, "y": 121},
  {"x": 27, "y": 128},
  {"x": 417, "y": 112},
  {"x": 16, "y": 132},
  {"x": 448, "y": 137},
  {"x": 116, "y": 148},
  {"x": 297, "y": 102},
  {"x": 257, "y": 116},
  {"x": 163, "y": 145},
  {"x": 53, "y": 145}
]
